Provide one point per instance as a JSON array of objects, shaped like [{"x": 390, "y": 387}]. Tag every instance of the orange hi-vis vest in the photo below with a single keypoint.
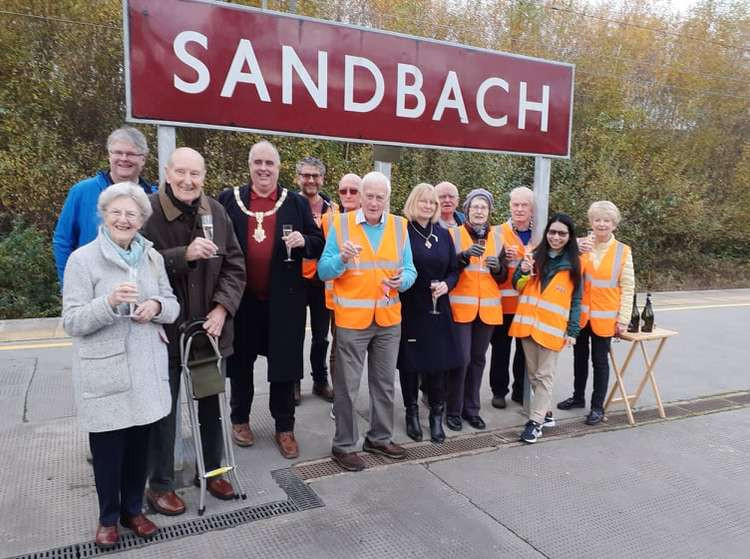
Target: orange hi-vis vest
[
  {"x": 359, "y": 299},
  {"x": 477, "y": 291},
  {"x": 544, "y": 315},
  {"x": 600, "y": 304},
  {"x": 310, "y": 265},
  {"x": 326, "y": 223},
  {"x": 510, "y": 295}
]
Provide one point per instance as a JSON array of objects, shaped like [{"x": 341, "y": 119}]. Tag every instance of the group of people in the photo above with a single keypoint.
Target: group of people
[{"x": 426, "y": 293}]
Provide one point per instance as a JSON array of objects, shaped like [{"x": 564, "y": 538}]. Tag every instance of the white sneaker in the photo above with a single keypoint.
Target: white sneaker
[{"x": 549, "y": 420}]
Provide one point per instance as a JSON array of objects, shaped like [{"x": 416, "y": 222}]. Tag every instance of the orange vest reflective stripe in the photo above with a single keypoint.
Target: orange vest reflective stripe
[
  {"x": 544, "y": 315},
  {"x": 359, "y": 299},
  {"x": 310, "y": 265},
  {"x": 510, "y": 295},
  {"x": 477, "y": 291},
  {"x": 600, "y": 304}
]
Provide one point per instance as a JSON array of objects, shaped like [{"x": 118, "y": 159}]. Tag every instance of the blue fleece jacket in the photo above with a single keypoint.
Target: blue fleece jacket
[{"x": 78, "y": 223}]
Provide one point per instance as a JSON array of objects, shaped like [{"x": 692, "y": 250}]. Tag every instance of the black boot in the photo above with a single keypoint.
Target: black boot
[
  {"x": 413, "y": 428},
  {"x": 437, "y": 435}
]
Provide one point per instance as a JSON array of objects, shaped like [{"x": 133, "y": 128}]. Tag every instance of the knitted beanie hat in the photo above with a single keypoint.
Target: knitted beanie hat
[{"x": 479, "y": 192}]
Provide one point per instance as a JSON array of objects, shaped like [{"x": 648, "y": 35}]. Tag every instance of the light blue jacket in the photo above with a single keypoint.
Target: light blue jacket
[{"x": 78, "y": 223}]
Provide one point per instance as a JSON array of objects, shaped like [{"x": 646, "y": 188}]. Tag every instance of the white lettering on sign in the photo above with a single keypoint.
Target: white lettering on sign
[
  {"x": 451, "y": 96},
  {"x": 290, "y": 61},
  {"x": 526, "y": 105},
  {"x": 350, "y": 63},
  {"x": 413, "y": 90},
  {"x": 481, "y": 92},
  {"x": 245, "y": 55},
  {"x": 451, "y": 87},
  {"x": 204, "y": 76}
]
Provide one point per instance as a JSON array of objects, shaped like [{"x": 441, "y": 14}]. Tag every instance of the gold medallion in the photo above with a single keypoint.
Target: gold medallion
[{"x": 259, "y": 234}]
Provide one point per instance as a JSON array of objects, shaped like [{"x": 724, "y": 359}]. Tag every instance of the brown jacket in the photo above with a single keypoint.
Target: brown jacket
[{"x": 198, "y": 285}]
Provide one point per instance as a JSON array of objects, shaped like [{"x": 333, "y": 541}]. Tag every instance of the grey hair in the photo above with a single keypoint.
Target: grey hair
[
  {"x": 263, "y": 143},
  {"x": 130, "y": 135},
  {"x": 377, "y": 176},
  {"x": 524, "y": 191},
  {"x": 312, "y": 161},
  {"x": 606, "y": 208},
  {"x": 124, "y": 190}
]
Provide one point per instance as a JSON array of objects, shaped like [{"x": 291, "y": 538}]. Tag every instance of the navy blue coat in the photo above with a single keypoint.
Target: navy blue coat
[{"x": 429, "y": 342}]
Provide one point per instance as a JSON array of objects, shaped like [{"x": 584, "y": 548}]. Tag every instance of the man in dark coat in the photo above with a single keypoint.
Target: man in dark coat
[
  {"x": 206, "y": 288},
  {"x": 271, "y": 317}
]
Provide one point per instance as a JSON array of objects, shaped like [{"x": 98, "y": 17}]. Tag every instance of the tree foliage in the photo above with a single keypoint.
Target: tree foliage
[{"x": 661, "y": 109}]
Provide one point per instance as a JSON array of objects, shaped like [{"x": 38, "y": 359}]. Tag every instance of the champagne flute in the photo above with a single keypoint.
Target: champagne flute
[
  {"x": 355, "y": 259},
  {"x": 286, "y": 230},
  {"x": 433, "y": 287},
  {"x": 482, "y": 243},
  {"x": 132, "y": 278},
  {"x": 207, "y": 224},
  {"x": 529, "y": 253}
]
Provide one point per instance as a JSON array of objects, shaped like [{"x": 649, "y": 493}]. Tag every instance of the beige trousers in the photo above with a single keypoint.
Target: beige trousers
[{"x": 541, "y": 364}]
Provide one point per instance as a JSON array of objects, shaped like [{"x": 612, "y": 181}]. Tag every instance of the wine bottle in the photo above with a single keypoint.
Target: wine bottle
[
  {"x": 648, "y": 315},
  {"x": 635, "y": 317}
]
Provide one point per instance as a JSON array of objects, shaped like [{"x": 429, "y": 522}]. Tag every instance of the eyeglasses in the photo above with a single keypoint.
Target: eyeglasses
[
  {"x": 447, "y": 197},
  {"x": 117, "y": 214},
  {"x": 126, "y": 154},
  {"x": 556, "y": 232},
  {"x": 348, "y": 191},
  {"x": 479, "y": 208},
  {"x": 310, "y": 176}
]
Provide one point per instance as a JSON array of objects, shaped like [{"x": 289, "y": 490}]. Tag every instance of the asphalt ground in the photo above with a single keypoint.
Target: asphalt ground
[{"x": 665, "y": 488}]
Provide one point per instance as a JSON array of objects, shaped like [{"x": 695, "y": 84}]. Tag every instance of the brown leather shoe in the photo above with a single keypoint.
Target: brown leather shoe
[
  {"x": 141, "y": 525},
  {"x": 348, "y": 460},
  {"x": 389, "y": 450},
  {"x": 297, "y": 393},
  {"x": 220, "y": 488},
  {"x": 106, "y": 536},
  {"x": 324, "y": 390},
  {"x": 242, "y": 435},
  {"x": 287, "y": 444},
  {"x": 165, "y": 502}
]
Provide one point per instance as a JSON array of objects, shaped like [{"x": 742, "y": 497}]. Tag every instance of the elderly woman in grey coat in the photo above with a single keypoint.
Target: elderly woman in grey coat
[{"x": 116, "y": 296}]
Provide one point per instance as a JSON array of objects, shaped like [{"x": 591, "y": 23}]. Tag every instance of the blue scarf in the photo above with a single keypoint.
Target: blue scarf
[{"x": 132, "y": 255}]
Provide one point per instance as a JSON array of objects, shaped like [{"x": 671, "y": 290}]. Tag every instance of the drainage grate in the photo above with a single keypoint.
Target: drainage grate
[
  {"x": 68, "y": 552},
  {"x": 706, "y": 405},
  {"x": 299, "y": 492}
]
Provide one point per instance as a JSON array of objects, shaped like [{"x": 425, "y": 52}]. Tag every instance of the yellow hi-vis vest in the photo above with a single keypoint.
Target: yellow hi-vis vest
[
  {"x": 510, "y": 295},
  {"x": 359, "y": 299},
  {"x": 477, "y": 291},
  {"x": 544, "y": 315},
  {"x": 600, "y": 304}
]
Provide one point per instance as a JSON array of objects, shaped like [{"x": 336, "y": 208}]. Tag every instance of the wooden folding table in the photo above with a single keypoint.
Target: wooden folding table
[{"x": 637, "y": 339}]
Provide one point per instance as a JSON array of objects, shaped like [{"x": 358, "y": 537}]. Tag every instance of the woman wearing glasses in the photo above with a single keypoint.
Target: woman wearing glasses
[
  {"x": 429, "y": 346},
  {"x": 475, "y": 305},
  {"x": 115, "y": 298},
  {"x": 549, "y": 282}
]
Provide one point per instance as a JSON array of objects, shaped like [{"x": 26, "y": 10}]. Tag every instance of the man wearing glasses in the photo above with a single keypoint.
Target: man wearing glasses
[
  {"x": 311, "y": 174},
  {"x": 78, "y": 223}
]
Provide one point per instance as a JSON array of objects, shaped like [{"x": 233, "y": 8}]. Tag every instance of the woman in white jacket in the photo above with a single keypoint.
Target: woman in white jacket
[{"x": 116, "y": 296}]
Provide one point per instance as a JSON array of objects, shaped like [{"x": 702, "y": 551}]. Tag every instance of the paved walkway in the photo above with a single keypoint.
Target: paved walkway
[{"x": 675, "y": 488}]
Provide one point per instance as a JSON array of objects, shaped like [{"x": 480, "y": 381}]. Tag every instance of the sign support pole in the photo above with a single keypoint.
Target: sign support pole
[{"x": 542, "y": 174}]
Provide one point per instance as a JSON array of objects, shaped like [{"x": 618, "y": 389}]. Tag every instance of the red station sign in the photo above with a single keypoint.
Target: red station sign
[{"x": 209, "y": 64}]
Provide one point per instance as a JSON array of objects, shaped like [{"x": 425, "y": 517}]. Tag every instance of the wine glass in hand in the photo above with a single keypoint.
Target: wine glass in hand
[
  {"x": 433, "y": 287},
  {"x": 286, "y": 230},
  {"x": 207, "y": 225},
  {"x": 132, "y": 278}
]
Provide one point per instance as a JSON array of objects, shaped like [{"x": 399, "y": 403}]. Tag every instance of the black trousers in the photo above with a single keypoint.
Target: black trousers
[
  {"x": 600, "y": 362},
  {"x": 434, "y": 384},
  {"x": 500, "y": 362},
  {"x": 250, "y": 341},
  {"x": 320, "y": 317},
  {"x": 120, "y": 467},
  {"x": 163, "y": 434}
]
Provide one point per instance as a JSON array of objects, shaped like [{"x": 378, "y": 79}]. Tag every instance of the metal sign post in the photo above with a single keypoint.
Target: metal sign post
[{"x": 542, "y": 174}]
